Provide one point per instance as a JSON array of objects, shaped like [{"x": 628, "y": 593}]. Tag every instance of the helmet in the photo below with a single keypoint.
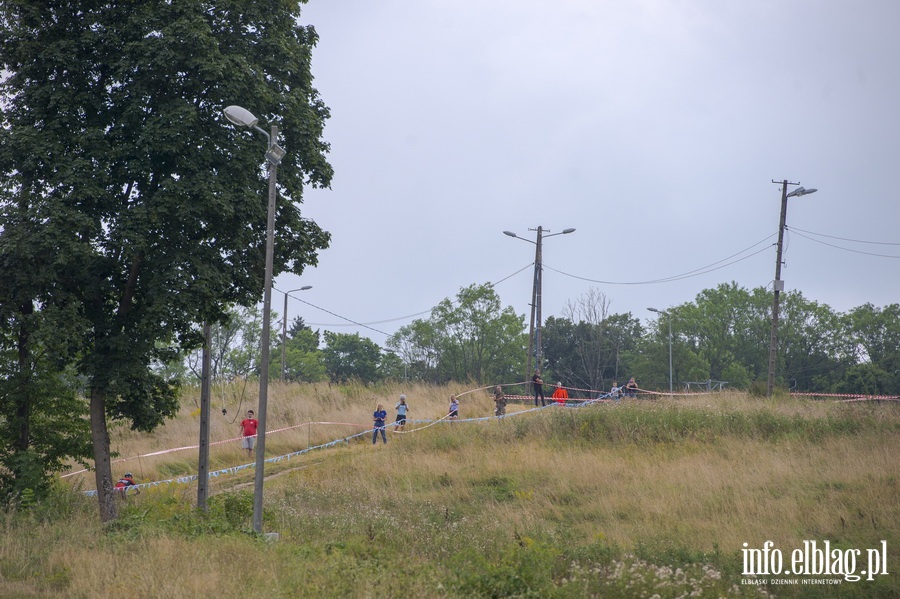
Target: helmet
[
  {"x": 402, "y": 396},
  {"x": 128, "y": 475}
]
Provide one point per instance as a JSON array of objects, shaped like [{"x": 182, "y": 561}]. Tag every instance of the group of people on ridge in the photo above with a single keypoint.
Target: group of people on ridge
[
  {"x": 250, "y": 424},
  {"x": 560, "y": 394},
  {"x": 380, "y": 416}
]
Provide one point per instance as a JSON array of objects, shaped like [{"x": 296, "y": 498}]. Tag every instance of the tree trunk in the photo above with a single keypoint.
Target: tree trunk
[
  {"x": 24, "y": 391},
  {"x": 102, "y": 467}
]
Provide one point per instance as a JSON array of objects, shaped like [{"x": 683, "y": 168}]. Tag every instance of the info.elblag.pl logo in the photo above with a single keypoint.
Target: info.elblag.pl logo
[{"x": 815, "y": 559}]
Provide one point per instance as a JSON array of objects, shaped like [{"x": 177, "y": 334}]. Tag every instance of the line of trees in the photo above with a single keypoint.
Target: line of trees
[
  {"x": 723, "y": 335},
  {"x": 130, "y": 212}
]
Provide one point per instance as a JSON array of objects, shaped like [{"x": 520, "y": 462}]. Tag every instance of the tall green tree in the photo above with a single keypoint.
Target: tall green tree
[
  {"x": 814, "y": 345},
  {"x": 589, "y": 347},
  {"x": 148, "y": 208},
  {"x": 724, "y": 326},
  {"x": 304, "y": 361},
  {"x": 473, "y": 338},
  {"x": 234, "y": 345},
  {"x": 875, "y": 338},
  {"x": 349, "y": 356},
  {"x": 43, "y": 419}
]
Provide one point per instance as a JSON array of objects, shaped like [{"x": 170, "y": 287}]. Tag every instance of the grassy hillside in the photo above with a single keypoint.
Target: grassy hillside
[{"x": 639, "y": 499}]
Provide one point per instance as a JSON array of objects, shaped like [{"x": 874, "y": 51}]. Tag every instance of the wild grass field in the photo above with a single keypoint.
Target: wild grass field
[{"x": 640, "y": 499}]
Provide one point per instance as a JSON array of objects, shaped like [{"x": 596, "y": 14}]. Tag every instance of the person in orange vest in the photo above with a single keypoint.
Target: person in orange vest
[{"x": 560, "y": 394}]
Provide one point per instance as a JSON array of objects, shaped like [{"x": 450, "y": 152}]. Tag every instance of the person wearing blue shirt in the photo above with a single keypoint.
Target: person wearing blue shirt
[{"x": 380, "y": 415}]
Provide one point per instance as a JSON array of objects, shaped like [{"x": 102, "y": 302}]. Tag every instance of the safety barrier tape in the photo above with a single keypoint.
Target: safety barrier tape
[
  {"x": 853, "y": 396},
  {"x": 234, "y": 469},
  {"x": 232, "y": 440},
  {"x": 573, "y": 403}
]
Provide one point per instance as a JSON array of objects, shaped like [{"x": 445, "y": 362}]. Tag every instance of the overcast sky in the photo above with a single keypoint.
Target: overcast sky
[{"x": 654, "y": 127}]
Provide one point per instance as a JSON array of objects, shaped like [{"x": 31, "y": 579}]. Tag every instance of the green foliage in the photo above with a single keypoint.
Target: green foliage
[
  {"x": 467, "y": 524},
  {"x": 522, "y": 570},
  {"x": 122, "y": 213},
  {"x": 758, "y": 389},
  {"x": 350, "y": 357},
  {"x": 473, "y": 338},
  {"x": 736, "y": 375},
  {"x": 590, "y": 348},
  {"x": 645, "y": 425},
  {"x": 304, "y": 361},
  {"x": 162, "y": 512},
  {"x": 392, "y": 367},
  {"x": 235, "y": 508}
]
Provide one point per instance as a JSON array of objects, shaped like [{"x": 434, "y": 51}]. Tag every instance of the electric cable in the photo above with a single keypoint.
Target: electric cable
[
  {"x": 844, "y": 238},
  {"x": 845, "y": 249}
]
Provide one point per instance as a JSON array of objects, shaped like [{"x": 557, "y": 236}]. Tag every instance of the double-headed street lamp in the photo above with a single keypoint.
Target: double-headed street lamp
[
  {"x": 284, "y": 324},
  {"x": 668, "y": 318},
  {"x": 778, "y": 284},
  {"x": 534, "y": 330},
  {"x": 274, "y": 153}
]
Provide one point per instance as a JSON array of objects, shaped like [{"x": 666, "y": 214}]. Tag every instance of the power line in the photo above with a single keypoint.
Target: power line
[
  {"x": 696, "y": 272},
  {"x": 359, "y": 324},
  {"x": 844, "y": 238},
  {"x": 692, "y": 273},
  {"x": 323, "y": 324},
  {"x": 845, "y": 249}
]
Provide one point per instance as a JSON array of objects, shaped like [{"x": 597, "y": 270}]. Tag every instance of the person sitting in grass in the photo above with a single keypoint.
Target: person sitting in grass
[
  {"x": 560, "y": 395},
  {"x": 125, "y": 483}
]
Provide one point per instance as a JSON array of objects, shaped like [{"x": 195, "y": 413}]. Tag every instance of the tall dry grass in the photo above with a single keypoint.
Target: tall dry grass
[
  {"x": 304, "y": 410},
  {"x": 550, "y": 503}
]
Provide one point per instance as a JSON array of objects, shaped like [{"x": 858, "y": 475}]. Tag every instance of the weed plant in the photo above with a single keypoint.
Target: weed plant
[{"x": 637, "y": 499}]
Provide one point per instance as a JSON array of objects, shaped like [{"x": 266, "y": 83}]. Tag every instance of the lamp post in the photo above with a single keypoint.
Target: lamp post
[
  {"x": 203, "y": 466},
  {"x": 284, "y": 325},
  {"x": 274, "y": 153},
  {"x": 778, "y": 284},
  {"x": 669, "y": 319},
  {"x": 534, "y": 330}
]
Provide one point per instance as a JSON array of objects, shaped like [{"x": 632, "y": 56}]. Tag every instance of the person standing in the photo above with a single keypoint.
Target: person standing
[
  {"x": 402, "y": 408},
  {"x": 615, "y": 392},
  {"x": 454, "y": 408},
  {"x": 380, "y": 415},
  {"x": 499, "y": 401},
  {"x": 538, "y": 384},
  {"x": 560, "y": 395},
  {"x": 631, "y": 388},
  {"x": 248, "y": 432}
]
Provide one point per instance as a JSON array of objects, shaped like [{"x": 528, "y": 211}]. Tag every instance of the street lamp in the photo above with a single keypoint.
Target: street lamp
[
  {"x": 284, "y": 324},
  {"x": 534, "y": 331},
  {"x": 668, "y": 318},
  {"x": 274, "y": 153},
  {"x": 778, "y": 284}
]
